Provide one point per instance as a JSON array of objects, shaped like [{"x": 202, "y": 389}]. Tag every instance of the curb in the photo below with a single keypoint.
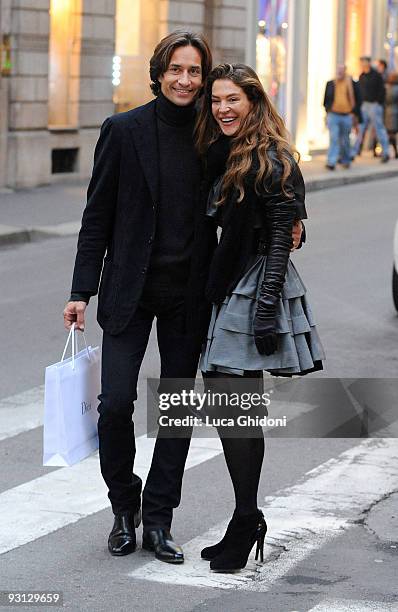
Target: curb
[
  {"x": 332, "y": 182},
  {"x": 9, "y": 236},
  {"x": 15, "y": 235}
]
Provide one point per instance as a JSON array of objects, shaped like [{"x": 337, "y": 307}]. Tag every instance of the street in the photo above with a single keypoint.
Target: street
[{"x": 331, "y": 504}]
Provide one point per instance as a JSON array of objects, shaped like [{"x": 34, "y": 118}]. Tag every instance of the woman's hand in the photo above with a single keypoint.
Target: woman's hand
[{"x": 265, "y": 336}]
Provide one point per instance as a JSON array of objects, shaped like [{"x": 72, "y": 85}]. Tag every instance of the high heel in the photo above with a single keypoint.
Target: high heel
[
  {"x": 260, "y": 545},
  {"x": 245, "y": 531}
]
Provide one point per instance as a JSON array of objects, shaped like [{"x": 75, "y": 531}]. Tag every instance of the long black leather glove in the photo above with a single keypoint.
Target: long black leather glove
[{"x": 280, "y": 218}]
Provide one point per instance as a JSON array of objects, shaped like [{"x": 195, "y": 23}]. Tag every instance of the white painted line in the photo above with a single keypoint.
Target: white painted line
[
  {"x": 24, "y": 411},
  {"x": 21, "y": 412},
  {"x": 347, "y": 605},
  {"x": 62, "y": 497},
  {"x": 300, "y": 519}
]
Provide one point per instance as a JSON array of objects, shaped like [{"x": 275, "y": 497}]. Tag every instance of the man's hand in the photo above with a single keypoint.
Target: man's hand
[
  {"x": 296, "y": 234},
  {"x": 74, "y": 313}
]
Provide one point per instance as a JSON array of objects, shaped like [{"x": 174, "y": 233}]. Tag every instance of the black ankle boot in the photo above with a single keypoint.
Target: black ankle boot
[
  {"x": 122, "y": 540},
  {"x": 162, "y": 544},
  {"x": 245, "y": 531},
  {"x": 210, "y": 552}
]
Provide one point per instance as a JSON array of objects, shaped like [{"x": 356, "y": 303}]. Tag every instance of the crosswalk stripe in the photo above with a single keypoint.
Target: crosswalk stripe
[
  {"x": 348, "y": 605},
  {"x": 24, "y": 411},
  {"x": 64, "y": 496},
  {"x": 300, "y": 519},
  {"x": 21, "y": 412}
]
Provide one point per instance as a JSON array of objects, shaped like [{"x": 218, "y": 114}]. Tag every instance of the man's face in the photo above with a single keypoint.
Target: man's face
[
  {"x": 340, "y": 71},
  {"x": 365, "y": 65},
  {"x": 182, "y": 80},
  {"x": 380, "y": 67}
]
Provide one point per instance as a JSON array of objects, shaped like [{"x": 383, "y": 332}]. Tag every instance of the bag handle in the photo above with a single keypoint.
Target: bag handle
[{"x": 73, "y": 335}]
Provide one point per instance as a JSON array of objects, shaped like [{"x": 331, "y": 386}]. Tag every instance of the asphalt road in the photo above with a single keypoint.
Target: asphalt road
[{"x": 326, "y": 551}]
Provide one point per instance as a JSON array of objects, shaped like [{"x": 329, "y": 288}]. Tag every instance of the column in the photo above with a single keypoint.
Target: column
[
  {"x": 297, "y": 73},
  {"x": 251, "y": 33},
  {"x": 341, "y": 32},
  {"x": 229, "y": 31},
  {"x": 96, "y": 89},
  {"x": 5, "y": 28},
  {"x": 28, "y": 149},
  {"x": 377, "y": 23}
]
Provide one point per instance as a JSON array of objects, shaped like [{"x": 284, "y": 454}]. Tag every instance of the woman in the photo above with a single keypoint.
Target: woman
[
  {"x": 391, "y": 111},
  {"x": 259, "y": 320}
]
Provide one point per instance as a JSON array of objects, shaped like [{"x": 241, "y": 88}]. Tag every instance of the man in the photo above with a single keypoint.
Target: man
[
  {"x": 143, "y": 213},
  {"x": 381, "y": 67},
  {"x": 373, "y": 95},
  {"x": 342, "y": 104}
]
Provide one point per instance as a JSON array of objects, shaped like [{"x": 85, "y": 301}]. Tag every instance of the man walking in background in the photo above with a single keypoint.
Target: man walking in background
[
  {"x": 382, "y": 68},
  {"x": 373, "y": 95},
  {"x": 342, "y": 104}
]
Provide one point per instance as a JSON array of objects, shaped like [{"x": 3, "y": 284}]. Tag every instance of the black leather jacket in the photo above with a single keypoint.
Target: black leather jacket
[{"x": 262, "y": 221}]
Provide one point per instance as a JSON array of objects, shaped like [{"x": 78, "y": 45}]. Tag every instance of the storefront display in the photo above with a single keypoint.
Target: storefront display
[{"x": 271, "y": 49}]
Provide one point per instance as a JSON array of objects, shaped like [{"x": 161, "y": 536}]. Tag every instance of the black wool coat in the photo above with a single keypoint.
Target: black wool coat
[{"x": 119, "y": 224}]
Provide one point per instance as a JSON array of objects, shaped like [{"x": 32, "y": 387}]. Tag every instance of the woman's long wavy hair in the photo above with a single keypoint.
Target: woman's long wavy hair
[{"x": 262, "y": 128}]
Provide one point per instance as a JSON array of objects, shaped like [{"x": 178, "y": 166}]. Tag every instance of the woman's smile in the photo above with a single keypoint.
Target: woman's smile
[{"x": 229, "y": 105}]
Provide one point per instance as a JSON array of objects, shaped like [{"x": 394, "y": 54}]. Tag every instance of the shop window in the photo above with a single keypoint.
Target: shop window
[
  {"x": 64, "y": 63},
  {"x": 137, "y": 34},
  {"x": 321, "y": 68},
  {"x": 271, "y": 49},
  {"x": 357, "y": 40}
]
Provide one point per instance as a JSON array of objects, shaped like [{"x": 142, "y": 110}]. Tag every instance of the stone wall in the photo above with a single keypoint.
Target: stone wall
[
  {"x": 28, "y": 131},
  {"x": 28, "y": 94},
  {"x": 222, "y": 21}
]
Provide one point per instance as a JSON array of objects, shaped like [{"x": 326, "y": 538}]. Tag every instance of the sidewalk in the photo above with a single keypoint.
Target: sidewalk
[{"x": 55, "y": 210}]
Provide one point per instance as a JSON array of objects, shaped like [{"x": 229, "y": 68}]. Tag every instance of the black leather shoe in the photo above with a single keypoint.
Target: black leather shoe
[
  {"x": 162, "y": 544},
  {"x": 122, "y": 540}
]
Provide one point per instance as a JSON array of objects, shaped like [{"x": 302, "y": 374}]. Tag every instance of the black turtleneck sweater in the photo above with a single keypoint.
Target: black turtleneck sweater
[{"x": 179, "y": 177}]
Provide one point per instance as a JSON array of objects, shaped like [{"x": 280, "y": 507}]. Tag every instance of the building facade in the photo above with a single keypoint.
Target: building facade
[
  {"x": 67, "y": 64},
  {"x": 298, "y": 45}
]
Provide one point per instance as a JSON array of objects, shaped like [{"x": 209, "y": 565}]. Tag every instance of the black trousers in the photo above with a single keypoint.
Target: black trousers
[{"x": 122, "y": 356}]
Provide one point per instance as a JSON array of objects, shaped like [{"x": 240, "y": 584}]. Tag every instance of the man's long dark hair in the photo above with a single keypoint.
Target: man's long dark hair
[{"x": 161, "y": 57}]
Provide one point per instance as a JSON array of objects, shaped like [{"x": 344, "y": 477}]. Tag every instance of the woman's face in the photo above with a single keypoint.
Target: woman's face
[{"x": 229, "y": 105}]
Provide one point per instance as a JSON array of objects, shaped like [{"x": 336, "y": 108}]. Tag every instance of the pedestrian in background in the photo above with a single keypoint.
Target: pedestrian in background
[
  {"x": 373, "y": 97},
  {"x": 391, "y": 110},
  {"x": 381, "y": 67},
  {"x": 342, "y": 104}
]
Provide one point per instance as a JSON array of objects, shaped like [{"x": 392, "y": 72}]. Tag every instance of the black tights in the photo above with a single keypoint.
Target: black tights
[
  {"x": 244, "y": 458},
  {"x": 243, "y": 455}
]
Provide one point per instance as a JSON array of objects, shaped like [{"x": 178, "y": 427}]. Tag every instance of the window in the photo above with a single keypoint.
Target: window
[{"x": 64, "y": 63}]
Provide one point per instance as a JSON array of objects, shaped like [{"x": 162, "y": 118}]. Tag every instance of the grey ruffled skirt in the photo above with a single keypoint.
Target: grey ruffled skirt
[{"x": 230, "y": 346}]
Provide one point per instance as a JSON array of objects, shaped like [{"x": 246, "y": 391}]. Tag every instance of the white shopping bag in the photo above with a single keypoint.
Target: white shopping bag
[{"x": 72, "y": 387}]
